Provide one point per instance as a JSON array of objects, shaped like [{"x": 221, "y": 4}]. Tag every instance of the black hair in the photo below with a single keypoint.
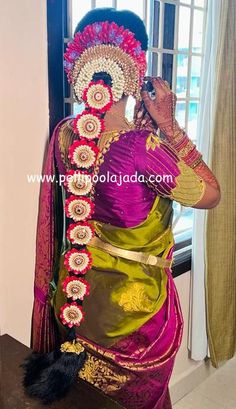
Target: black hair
[{"x": 125, "y": 18}]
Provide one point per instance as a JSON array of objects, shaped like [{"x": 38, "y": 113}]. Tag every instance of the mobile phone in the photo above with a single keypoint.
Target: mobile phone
[{"x": 150, "y": 90}]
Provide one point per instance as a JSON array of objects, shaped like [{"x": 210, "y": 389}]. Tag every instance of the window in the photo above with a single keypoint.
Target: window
[
  {"x": 175, "y": 54},
  {"x": 176, "y": 34}
]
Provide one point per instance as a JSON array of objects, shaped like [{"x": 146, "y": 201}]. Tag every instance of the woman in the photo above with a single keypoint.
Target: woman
[{"x": 103, "y": 283}]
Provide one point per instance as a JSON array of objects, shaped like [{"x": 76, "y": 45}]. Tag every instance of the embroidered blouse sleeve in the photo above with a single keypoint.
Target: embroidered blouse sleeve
[{"x": 165, "y": 172}]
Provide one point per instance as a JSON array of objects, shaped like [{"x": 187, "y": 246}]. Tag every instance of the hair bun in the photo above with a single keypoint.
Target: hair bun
[{"x": 104, "y": 76}]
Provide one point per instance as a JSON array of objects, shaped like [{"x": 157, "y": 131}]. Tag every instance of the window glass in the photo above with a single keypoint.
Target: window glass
[
  {"x": 186, "y": 1},
  {"x": 192, "y": 119},
  {"x": 103, "y": 3},
  {"x": 182, "y": 75},
  {"x": 135, "y": 6},
  {"x": 79, "y": 9},
  {"x": 167, "y": 67},
  {"x": 197, "y": 31},
  {"x": 195, "y": 76},
  {"x": 184, "y": 28},
  {"x": 180, "y": 113},
  {"x": 199, "y": 3}
]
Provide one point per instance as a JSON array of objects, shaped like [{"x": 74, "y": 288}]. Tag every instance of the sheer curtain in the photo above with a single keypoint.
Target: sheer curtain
[{"x": 215, "y": 29}]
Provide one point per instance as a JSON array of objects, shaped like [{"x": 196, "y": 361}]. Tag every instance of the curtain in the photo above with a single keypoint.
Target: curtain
[
  {"x": 221, "y": 221},
  {"x": 215, "y": 28}
]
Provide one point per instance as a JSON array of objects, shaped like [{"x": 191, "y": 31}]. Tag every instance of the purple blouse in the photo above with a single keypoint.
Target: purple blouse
[{"x": 136, "y": 167}]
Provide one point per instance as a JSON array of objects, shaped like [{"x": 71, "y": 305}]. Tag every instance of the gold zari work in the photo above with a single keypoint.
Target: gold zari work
[
  {"x": 66, "y": 137},
  {"x": 104, "y": 144},
  {"x": 152, "y": 142},
  {"x": 190, "y": 188},
  {"x": 102, "y": 374},
  {"x": 135, "y": 299}
]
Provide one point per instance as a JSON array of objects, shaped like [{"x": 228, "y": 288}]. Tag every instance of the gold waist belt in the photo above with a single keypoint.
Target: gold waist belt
[{"x": 129, "y": 254}]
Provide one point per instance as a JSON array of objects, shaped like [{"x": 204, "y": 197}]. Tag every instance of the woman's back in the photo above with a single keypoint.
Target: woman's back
[{"x": 121, "y": 198}]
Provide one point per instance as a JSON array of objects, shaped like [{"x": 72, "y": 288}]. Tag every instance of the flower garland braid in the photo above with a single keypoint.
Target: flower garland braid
[
  {"x": 79, "y": 206},
  {"x": 100, "y": 47}
]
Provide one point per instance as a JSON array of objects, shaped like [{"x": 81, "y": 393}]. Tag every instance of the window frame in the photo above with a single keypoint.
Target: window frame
[{"x": 57, "y": 26}]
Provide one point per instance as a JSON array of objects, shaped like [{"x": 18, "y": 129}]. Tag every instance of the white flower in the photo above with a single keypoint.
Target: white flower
[
  {"x": 97, "y": 65},
  {"x": 84, "y": 156},
  {"x": 71, "y": 314},
  {"x": 80, "y": 234},
  {"x": 78, "y": 209},
  {"x": 88, "y": 126},
  {"x": 80, "y": 184},
  {"x": 75, "y": 288}
]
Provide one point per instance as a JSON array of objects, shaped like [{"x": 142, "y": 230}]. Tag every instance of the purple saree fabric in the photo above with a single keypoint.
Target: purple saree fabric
[{"x": 43, "y": 333}]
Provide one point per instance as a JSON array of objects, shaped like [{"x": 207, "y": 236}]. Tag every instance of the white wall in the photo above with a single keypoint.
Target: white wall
[
  {"x": 24, "y": 130},
  {"x": 187, "y": 374}
]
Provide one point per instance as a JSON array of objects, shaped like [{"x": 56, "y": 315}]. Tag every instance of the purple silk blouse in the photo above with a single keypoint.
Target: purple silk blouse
[{"x": 126, "y": 202}]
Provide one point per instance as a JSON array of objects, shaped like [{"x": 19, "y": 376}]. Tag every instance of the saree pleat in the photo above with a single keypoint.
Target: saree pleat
[{"x": 44, "y": 333}]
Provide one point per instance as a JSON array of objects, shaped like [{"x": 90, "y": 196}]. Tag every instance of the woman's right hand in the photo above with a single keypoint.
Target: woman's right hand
[{"x": 162, "y": 108}]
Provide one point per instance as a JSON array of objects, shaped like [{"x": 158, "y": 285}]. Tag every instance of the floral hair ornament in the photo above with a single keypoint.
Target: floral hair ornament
[
  {"x": 75, "y": 288},
  {"x": 79, "y": 209},
  {"x": 78, "y": 183},
  {"x": 79, "y": 206},
  {"x": 88, "y": 125},
  {"x": 98, "y": 96},
  {"x": 105, "y": 46},
  {"x": 78, "y": 261},
  {"x": 83, "y": 154},
  {"x": 71, "y": 314}
]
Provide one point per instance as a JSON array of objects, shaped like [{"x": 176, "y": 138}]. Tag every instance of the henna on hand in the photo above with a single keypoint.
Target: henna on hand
[{"x": 162, "y": 108}]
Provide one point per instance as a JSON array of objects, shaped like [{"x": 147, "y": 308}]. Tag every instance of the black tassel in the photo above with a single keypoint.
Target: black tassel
[{"x": 49, "y": 377}]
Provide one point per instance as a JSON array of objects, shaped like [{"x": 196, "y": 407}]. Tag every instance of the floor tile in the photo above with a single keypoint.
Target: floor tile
[
  {"x": 216, "y": 392},
  {"x": 195, "y": 400}
]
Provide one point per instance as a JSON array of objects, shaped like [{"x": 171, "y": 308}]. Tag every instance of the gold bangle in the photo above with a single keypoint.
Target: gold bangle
[
  {"x": 188, "y": 148},
  {"x": 197, "y": 161},
  {"x": 178, "y": 135}
]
